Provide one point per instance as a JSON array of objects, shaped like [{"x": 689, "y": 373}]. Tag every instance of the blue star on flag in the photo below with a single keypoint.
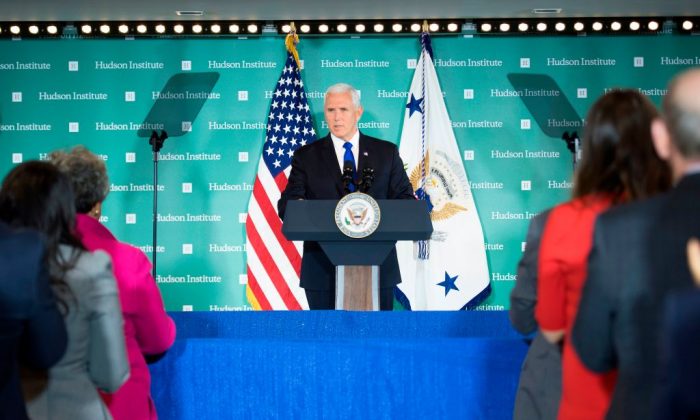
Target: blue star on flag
[
  {"x": 414, "y": 105},
  {"x": 449, "y": 283}
]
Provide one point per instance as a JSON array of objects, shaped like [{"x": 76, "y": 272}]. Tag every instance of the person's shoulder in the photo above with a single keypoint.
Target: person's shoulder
[
  {"x": 20, "y": 240},
  {"x": 87, "y": 264},
  {"x": 379, "y": 144},
  {"x": 632, "y": 213}
]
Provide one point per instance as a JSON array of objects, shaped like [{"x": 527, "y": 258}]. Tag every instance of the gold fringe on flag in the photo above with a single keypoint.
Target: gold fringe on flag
[{"x": 291, "y": 43}]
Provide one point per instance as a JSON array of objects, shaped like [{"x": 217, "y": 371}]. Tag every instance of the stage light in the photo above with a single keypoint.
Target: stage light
[
  {"x": 177, "y": 28},
  {"x": 687, "y": 25},
  {"x": 105, "y": 29},
  {"x": 452, "y": 27},
  {"x": 634, "y": 25},
  {"x": 653, "y": 25},
  {"x": 523, "y": 27},
  {"x": 252, "y": 28},
  {"x": 215, "y": 28},
  {"x": 52, "y": 29},
  {"x": 434, "y": 27},
  {"x": 305, "y": 28},
  {"x": 616, "y": 26},
  {"x": 141, "y": 29},
  {"x": 286, "y": 29},
  {"x": 378, "y": 27},
  {"x": 234, "y": 29},
  {"x": 33, "y": 29},
  {"x": 541, "y": 26},
  {"x": 86, "y": 29},
  {"x": 560, "y": 26},
  {"x": 578, "y": 26},
  {"x": 342, "y": 28},
  {"x": 397, "y": 27},
  {"x": 485, "y": 27},
  {"x": 323, "y": 28},
  {"x": 197, "y": 28},
  {"x": 359, "y": 27},
  {"x": 597, "y": 26},
  {"x": 504, "y": 27},
  {"x": 415, "y": 27}
]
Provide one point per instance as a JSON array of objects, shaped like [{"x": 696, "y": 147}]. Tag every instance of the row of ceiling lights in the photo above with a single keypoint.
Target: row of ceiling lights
[
  {"x": 578, "y": 26},
  {"x": 217, "y": 28},
  {"x": 481, "y": 26}
]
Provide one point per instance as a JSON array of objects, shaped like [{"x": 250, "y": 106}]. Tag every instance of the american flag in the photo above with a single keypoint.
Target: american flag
[{"x": 273, "y": 261}]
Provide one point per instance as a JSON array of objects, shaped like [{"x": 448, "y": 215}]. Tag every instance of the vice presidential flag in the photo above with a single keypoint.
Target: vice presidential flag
[
  {"x": 450, "y": 271},
  {"x": 273, "y": 262}
]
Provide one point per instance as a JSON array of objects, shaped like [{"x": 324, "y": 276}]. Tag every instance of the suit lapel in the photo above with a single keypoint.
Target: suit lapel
[
  {"x": 331, "y": 163},
  {"x": 364, "y": 158}
]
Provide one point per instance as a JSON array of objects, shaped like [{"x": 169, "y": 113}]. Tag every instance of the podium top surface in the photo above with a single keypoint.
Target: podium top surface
[{"x": 314, "y": 220}]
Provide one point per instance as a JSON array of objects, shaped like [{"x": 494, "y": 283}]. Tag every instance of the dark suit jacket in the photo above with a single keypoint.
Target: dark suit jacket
[
  {"x": 539, "y": 388},
  {"x": 316, "y": 175},
  {"x": 31, "y": 327},
  {"x": 637, "y": 259},
  {"x": 678, "y": 394}
]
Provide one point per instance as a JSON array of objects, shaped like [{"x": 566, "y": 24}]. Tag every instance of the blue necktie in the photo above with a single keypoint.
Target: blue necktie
[{"x": 349, "y": 157}]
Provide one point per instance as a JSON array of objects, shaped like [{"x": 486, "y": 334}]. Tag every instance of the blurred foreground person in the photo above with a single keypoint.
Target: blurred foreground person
[
  {"x": 31, "y": 327},
  {"x": 36, "y": 195},
  {"x": 618, "y": 165},
  {"x": 147, "y": 327},
  {"x": 678, "y": 394},
  {"x": 539, "y": 386},
  {"x": 639, "y": 257}
]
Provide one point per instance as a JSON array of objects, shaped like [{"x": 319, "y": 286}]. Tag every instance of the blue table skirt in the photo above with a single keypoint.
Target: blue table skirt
[{"x": 344, "y": 365}]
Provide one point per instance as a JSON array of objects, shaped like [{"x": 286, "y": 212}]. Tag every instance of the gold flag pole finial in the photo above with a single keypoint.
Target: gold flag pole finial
[
  {"x": 425, "y": 26},
  {"x": 291, "y": 43}
]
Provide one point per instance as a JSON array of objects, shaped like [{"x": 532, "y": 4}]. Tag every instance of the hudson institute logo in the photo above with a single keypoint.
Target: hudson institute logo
[
  {"x": 357, "y": 215},
  {"x": 444, "y": 188}
]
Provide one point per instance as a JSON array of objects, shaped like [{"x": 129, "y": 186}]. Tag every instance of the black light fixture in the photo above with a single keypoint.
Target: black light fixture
[{"x": 487, "y": 27}]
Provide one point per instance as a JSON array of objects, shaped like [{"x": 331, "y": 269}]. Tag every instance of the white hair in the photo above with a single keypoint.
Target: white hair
[{"x": 345, "y": 88}]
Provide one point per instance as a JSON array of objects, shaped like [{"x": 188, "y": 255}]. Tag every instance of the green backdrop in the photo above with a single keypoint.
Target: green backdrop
[{"x": 510, "y": 100}]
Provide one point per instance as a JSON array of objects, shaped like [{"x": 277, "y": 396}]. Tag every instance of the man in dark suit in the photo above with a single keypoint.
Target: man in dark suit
[
  {"x": 539, "y": 388},
  {"x": 678, "y": 395},
  {"x": 31, "y": 328},
  {"x": 638, "y": 259},
  {"x": 317, "y": 175}
]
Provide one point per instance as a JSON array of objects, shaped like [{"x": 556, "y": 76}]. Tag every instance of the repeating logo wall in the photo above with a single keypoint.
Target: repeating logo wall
[{"x": 511, "y": 101}]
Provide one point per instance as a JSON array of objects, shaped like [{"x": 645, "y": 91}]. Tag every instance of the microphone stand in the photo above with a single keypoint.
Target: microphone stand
[
  {"x": 367, "y": 179},
  {"x": 347, "y": 177},
  {"x": 156, "y": 141},
  {"x": 573, "y": 143}
]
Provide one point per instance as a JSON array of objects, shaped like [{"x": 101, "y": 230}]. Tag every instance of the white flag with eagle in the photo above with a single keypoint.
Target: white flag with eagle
[{"x": 450, "y": 271}]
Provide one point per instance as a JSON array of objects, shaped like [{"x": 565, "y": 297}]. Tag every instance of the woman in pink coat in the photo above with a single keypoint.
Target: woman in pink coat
[{"x": 148, "y": 329}]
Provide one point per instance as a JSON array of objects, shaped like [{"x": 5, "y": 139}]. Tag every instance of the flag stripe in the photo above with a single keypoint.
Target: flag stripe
[
  {"x": 275, "y": 225},
  {"x": 259, "y": 296},
  {"x": 271, "y": 268},
  {"x": 267, "y": 289}
]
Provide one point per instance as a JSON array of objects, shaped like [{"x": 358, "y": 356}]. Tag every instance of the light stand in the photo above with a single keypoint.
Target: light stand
[{"x": 156, "y": 141}]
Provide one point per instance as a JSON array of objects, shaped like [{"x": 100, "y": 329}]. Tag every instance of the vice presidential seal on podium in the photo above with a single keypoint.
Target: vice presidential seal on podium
[{"x": 357, "y": 234}]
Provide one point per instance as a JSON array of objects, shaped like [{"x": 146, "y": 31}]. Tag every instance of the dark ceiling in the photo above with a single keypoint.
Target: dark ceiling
[{"x": 81, "y": 10}]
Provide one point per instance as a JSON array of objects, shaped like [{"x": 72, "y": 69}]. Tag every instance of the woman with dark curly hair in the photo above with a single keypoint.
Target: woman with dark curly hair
[
  {"x": 147, "y": 327},
  {"x": 37, "y": 195}
]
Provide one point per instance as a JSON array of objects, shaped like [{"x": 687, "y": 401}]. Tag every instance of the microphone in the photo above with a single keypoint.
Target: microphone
[
  {"x": 348, "y": 170},
  {"x": 367, "y": 179}
]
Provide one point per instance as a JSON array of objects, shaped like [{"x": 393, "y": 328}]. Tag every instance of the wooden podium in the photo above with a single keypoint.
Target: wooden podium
[{"x": 357, "y": 260}]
